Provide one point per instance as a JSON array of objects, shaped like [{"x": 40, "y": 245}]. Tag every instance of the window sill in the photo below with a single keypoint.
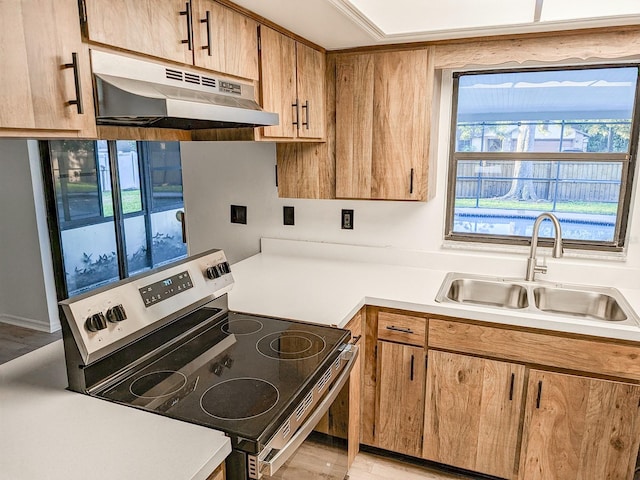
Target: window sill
[{"x": 524, "y": 250}]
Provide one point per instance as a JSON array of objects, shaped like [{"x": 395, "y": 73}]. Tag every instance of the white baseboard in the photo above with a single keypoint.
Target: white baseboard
[{"x": 30, "y": 323}]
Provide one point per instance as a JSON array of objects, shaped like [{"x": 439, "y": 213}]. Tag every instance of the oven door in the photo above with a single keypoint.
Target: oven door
[{"x": 314, "y": 451}]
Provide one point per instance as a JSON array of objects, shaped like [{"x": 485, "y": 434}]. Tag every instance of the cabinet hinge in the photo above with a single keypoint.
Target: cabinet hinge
[{"x": 82, "y": 10}]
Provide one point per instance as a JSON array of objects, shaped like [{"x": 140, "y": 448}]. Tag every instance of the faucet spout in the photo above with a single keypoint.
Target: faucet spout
[{"x": 532, "y": 264}]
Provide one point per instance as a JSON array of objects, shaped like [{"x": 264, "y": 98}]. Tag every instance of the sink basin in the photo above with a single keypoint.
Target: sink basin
[
  {"x": 481, "y": 292},
  {"x": 604, "y": 304},
  {"x": 580, "y": 303}
]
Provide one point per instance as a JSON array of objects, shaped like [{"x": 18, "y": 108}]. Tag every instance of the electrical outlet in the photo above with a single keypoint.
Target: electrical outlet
[
  {"x": 288, "y": 216},
  {"x": 347, "y": 219},
  {"x": 239, "y": 214}
]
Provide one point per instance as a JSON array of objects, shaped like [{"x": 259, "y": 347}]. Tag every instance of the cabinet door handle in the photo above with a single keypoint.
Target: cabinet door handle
[
  {"x": 296, "y": 114},
  {"x": 412, "y": 362},
  {"x": 399, "y": 329},
  {"x": 76, "y": 79},
  {"x": 539, "y": 394},
  {"x": 513, "y": 379},
  {"x": 188, "y": 13},
  {"x": 411, "y": 182},
  {"x": 305, "y": 108},
  {"x": 356, "y": 339},
  {"x": 207, "y": 21}
]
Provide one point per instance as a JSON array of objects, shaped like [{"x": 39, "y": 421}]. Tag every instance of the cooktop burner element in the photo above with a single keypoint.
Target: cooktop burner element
[
  {"x": 158, "y": 384},
  {"x": 291, "y": 345},
  {"x": 239, "y": 399},
  {"x": 243, "y": 326}
]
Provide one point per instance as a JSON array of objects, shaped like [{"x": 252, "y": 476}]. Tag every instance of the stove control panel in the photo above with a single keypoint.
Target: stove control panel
[{"x": 106, "y": 319}]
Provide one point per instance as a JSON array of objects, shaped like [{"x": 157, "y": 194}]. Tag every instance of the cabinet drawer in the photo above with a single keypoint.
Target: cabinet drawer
[
  {"x": 399, "y": 328},
  {"x": 584, "y": 354}
]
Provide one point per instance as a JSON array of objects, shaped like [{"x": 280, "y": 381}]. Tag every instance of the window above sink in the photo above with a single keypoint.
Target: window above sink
[{"x": 560, "y": 140}]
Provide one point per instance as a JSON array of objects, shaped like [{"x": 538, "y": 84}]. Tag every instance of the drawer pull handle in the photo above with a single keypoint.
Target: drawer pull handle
[
  {"x": 305, "y": 107},
  {"x": 411, "y": 183},
  {"x": 296, "y": 112},
  {"x": 207, "y": 20},
  {"x": 399, "y": 329},
  {"x": 356, "y": 339},
  {"x": 76, "y": 79},
  {"x": 188, "y": 13},
  {"x": 539, "y": 394},
  {"x": 513, "y": 378},
  {"x": 412, "y": 362}
]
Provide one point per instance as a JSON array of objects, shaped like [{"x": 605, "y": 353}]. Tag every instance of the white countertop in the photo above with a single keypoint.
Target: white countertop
[
  {"x": 49, "y": 433},
  {"x": 330, "y": 291}
]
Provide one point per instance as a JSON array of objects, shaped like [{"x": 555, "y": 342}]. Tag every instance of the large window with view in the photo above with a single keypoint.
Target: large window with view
[
  {"x": 531, "y": 141},
  {"x": 114, "y": 209}
]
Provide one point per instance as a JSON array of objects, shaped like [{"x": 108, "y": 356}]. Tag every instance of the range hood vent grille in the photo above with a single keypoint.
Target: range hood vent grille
[{"x": 173, "y": 74}]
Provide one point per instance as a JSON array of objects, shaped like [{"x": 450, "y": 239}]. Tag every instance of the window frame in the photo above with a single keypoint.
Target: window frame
[{"x": 627, "y": 180}]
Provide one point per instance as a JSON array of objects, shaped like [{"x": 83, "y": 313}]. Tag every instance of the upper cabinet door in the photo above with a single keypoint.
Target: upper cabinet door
[
  {"x": 383, "y": 112},
  {"x": 161, "y": 28},
  {"x": 354, "y": 139},
  {"x": 278, "y": 82},
  {"x": 224, "y": 40},
  {"x": 310, "y": 82},
  {"x": 401, "y": 114},
  {"x": 45, "y": 79}
]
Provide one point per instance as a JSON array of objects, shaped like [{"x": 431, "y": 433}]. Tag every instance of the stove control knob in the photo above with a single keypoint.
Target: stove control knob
[
  {"x": 217, "y": 368},
  {"x": 96, "y": 322},
  {"x": 213, "y": 272},
  {"x": 226, "y": 268},
  {"x": 116, "y": 314}
]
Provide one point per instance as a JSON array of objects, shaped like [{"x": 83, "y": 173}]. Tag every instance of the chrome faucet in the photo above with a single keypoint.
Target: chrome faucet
[{"x": 532, "y": 264}]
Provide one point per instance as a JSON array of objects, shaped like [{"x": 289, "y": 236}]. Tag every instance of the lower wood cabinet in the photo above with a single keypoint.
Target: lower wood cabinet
[
  {"x": 218, "y": 474},
  {"x": 579, "y": 428},
  {"x": 472, "y": 414},
  {"x": 518, "y": 404},
  {"x": 400, "y": 406}
]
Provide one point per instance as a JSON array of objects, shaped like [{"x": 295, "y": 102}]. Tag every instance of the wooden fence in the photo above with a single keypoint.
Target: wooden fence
[{"x": 553, "y": 181}]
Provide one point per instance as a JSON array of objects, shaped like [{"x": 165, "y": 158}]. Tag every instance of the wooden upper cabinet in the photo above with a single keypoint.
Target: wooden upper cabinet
[
  {"x": 160, "y": 28},
  {"x": 224, "y": 40},
  {"x": 310, "y": 71},
  {"x": 579, "y": 428},
  {"x": 383, "y": 113},
  {"x": 40, "y": 40},
  {"x": 195, "y": 32},
  {"x": 278, "y": 81},
  {"x": 293, "y": 85},
  {"x": 472, "y": 413}
]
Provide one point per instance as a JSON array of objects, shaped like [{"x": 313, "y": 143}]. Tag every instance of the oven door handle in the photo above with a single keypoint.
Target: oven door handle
[{"x": 271, "y": 467}]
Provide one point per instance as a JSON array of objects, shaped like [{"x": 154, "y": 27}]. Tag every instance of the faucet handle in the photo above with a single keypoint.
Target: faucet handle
[{"x": 540, "y": 268}]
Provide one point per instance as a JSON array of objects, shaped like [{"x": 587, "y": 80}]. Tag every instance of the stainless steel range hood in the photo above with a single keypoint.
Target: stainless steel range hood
[{"x": 139, "y": 93}]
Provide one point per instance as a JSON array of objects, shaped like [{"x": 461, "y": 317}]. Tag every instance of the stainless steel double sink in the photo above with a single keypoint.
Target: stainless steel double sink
[{"x": 604, "y": 304}]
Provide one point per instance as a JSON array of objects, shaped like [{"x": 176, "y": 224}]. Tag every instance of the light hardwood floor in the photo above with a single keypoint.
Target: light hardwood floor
[
  {"x": 369, "y": 466},
  {"x": 17, "y": 341}
]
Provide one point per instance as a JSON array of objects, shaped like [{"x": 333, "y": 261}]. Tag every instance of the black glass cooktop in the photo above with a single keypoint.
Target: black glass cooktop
[{"x": 242, "y": 374}]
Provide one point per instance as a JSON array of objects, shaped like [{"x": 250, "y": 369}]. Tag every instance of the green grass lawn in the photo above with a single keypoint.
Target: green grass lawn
[
  {"x": 594, "y": 208},
  {"x": 131, "y": 202}
]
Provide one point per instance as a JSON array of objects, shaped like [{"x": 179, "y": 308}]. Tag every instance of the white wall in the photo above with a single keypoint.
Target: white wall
[
  {"x": 218, "y": 174},
  {"x": 27, "y": 288}
]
